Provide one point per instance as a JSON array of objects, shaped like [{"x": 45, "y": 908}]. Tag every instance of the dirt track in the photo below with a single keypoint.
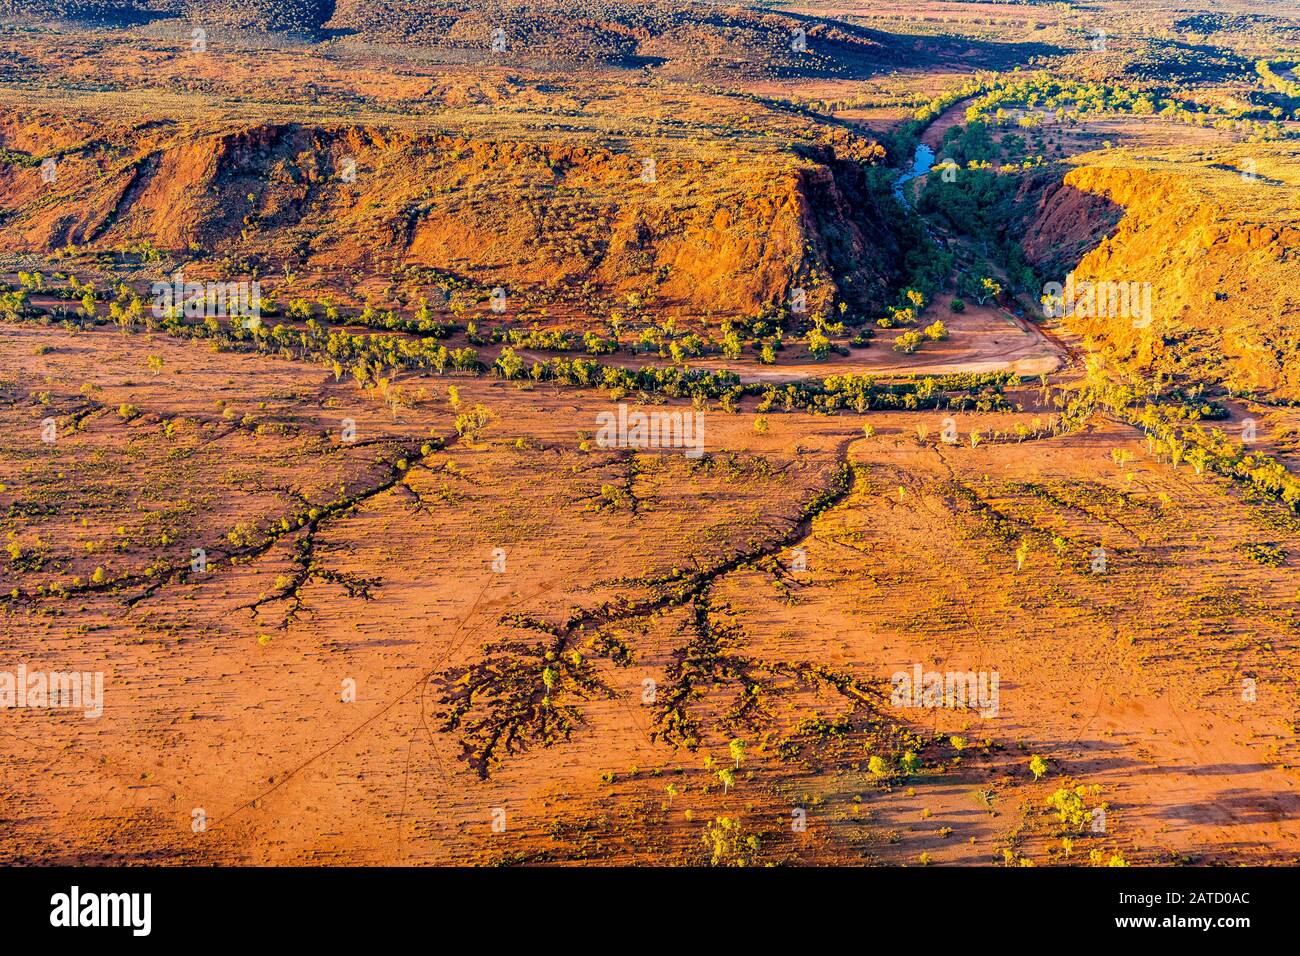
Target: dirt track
[{"x": 981, "y": 339}]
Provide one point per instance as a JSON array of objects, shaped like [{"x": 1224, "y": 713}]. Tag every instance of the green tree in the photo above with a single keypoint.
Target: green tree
[
  {"x": 819, "y": 345},
  {"x": 728, "y": 777},
  {"x": 908, "y": 342},
  {"x": 737, "y": 749},
  {"x": 988, "y": 289},
  {"x": 729, "y": 844},
  {"x": 731, "y": 346},
  {"x": 510, "y": 365}
]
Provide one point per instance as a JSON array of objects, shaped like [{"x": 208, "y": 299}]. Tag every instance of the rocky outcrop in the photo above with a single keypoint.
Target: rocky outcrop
[
  {"x": 699, "y": 232},
  {"x": 1219, "y": 243}
]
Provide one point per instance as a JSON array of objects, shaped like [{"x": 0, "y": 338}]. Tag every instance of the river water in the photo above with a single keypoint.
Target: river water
[{"x": 921, "y": 163}]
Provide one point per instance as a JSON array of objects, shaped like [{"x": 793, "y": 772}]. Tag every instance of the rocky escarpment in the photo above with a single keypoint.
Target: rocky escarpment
[
  {"x": 702, "y": 232},
  {"x": 1218, "y": 240}
]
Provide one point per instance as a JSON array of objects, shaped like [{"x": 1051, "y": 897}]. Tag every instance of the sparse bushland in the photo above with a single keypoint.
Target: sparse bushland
[
  {"x": 1071, "y": 100},
  {"x": 1176, "y": 433}
]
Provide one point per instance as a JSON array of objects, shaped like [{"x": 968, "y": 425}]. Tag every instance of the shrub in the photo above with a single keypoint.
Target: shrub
[
  {"x": 908, "y": 342},
  {"x": 818, "y": 344},
  {"x": 1070, "y": 807},
  {"x": 909, "y": 763},
  {"x": 470, "y": 423},
  {"x": 729, "y": 844},
  {"x": 1266, "y": 554}
]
